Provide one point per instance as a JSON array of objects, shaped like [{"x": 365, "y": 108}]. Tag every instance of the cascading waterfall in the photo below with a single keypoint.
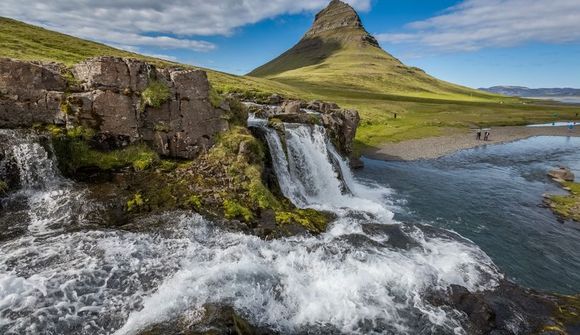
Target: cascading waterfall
[
  {"x": 312, "y": 174},
  {"x": 366, "y": 275},
  {"x": 50, "y": 198}
]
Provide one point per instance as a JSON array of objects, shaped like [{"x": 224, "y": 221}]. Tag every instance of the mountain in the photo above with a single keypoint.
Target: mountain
[
  {"x": 338, "y": 51},
  {"x": 520, "y": 91}
]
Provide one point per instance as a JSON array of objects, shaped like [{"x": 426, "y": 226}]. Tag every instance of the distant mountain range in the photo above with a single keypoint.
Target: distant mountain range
[{"x": 520, "y": 91}]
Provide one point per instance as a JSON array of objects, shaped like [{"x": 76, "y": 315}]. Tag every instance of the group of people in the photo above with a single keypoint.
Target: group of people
[{"x": 486, "y": 135}]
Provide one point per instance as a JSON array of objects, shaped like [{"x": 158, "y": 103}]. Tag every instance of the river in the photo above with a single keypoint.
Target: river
[
  {"x": 491, "y": 195},
  {"x": 396, "y": 241}
]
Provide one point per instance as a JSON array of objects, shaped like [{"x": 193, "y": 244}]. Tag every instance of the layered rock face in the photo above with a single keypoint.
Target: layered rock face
[
  {"x": 106, "y": 94},
  {"x": 337, "y": 17},
  {"x": 29, "y": 93}
]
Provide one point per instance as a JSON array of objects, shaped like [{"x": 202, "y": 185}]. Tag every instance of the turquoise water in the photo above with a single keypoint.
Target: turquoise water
[{"x": 492, "y": 195}]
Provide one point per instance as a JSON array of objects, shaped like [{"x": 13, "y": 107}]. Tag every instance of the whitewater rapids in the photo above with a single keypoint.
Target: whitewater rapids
[{"x": 366, "y": 274}]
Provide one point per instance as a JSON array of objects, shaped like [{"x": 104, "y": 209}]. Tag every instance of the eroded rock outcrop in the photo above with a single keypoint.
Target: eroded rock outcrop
[
  {"x": 341, "y": 124},
  {"x": 107, "y": 94}
]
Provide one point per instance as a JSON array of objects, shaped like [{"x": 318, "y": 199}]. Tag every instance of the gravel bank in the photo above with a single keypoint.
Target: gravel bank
[{"x": 434, "y": 147}]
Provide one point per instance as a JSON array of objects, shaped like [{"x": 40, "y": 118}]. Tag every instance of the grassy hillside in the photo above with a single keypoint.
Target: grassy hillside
[
  {"x": 418, "y": 116},
  {"x": 19, "y": 40}
]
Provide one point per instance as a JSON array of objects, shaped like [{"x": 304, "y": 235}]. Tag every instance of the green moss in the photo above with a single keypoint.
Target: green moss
[
  {"x": 311, "y": 219},
  {"x": 567, "y": 206},
  {"x": 135, "y": 203},
  {"x": 81, "y": 133},
  {"x": 74, "y": 153},
  {"x": 195, "y": 202},
  {"x": 65, "y": 106},
  {"x": 3, "y": 187},
  {"x": 162, "y": 127},
  {"x": 167, "y": 165},
  {"x": 234, "y": 210},
  {"x": 156, "y": 94},
  {"x": 565, "y": 317}
]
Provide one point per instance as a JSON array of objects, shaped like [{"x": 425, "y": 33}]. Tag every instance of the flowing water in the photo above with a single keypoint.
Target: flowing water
[
  {"x": 369, "y": 273},
  {"x": 492, "y": 195}
]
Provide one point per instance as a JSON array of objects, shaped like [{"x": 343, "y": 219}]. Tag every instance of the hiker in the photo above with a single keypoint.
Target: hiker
[
  {"x": 486, "y": 136},
  {"x": 478, "y": 136},
  {"x": 395, "y": 115}
]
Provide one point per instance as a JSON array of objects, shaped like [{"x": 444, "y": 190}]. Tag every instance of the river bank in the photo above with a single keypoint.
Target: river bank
[{"x": 435, "y": 147}]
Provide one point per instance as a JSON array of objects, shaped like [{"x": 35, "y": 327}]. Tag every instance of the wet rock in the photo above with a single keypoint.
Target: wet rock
[
  {"x": 291, "y": 107},
  {"x": 562, "y": 173},
  {"x": 299, "y": 118},
  {"x": 275, "y": 99},
  {"x": 216, "y": 320}
]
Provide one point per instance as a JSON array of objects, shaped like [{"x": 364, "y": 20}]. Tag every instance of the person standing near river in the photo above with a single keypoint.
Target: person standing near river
[{"x": 478, "y": 136}]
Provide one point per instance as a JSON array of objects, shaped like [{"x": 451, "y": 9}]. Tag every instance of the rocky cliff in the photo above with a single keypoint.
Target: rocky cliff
[{"x": 123, "y": 100}]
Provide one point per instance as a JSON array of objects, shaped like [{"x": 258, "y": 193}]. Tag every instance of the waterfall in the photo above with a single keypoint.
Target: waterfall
[
  {"x": 28, "y": 161},
  {"x": 312, "y": 174},
  {"x": 33, "y": 159}
]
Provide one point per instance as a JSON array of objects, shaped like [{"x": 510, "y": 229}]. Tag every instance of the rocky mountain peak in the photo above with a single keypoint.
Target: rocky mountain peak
[{"x": 336, "y": 17}]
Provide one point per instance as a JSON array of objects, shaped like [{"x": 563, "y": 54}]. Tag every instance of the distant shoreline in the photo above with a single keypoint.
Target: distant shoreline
[{"x": 435, "y": 147}]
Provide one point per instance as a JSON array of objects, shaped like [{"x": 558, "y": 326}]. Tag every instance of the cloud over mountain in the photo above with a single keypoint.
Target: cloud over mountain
[
  {"x": 477, "y": 24},
  {"x": 170, "y": 24}
]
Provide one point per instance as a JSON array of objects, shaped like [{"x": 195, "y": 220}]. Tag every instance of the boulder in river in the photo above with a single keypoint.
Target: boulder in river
[{"x": 562, "y": 173}]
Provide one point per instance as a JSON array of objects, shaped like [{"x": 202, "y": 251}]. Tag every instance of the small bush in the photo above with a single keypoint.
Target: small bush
[
  {"x": 135, "y": 203},
  {"x": 156, "y": 94}
]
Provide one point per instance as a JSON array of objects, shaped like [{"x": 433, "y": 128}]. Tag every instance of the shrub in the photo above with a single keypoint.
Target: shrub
[{"x": 135, "y": 203}]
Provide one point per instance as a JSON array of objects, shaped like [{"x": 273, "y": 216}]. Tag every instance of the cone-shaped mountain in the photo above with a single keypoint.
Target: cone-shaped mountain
[{"x": 338, "y": 51}]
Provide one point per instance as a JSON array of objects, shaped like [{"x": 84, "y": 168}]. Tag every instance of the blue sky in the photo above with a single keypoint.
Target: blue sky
[{"x": 477, "y": 43}]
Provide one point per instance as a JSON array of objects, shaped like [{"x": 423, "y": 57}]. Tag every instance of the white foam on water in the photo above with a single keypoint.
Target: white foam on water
[
  {"x": 345, "y": 280},
  {"x": 296, "y": 283}
]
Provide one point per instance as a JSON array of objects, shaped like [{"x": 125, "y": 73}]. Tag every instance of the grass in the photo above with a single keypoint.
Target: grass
[
  {"x": 156, "y": 94},
  {"x": 567, "y": 206}
]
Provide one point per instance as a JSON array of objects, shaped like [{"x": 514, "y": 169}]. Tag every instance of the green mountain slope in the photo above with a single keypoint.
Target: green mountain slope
[{"x": 338, "y": 51}]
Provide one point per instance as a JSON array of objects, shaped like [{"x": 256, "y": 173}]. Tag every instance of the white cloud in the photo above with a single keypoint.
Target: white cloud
[
  {"x": 167, "y": 24},
  {"x": 477, "y": 24}
]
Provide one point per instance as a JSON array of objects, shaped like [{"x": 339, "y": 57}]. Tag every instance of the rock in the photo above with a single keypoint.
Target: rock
[
  {"x": 216, "y": 319},
  {"x": 275, "y": 99},
  {"x": 342, "y": 125},
  {"x": 112, "y": 73},
  {"x": 291, "y": 107},
  {"x": 562, "y": 173},
  {"x": 30, "y": 93},
  {"x": 299, "y": 118},
  {"x": 108, "y": 100}
]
